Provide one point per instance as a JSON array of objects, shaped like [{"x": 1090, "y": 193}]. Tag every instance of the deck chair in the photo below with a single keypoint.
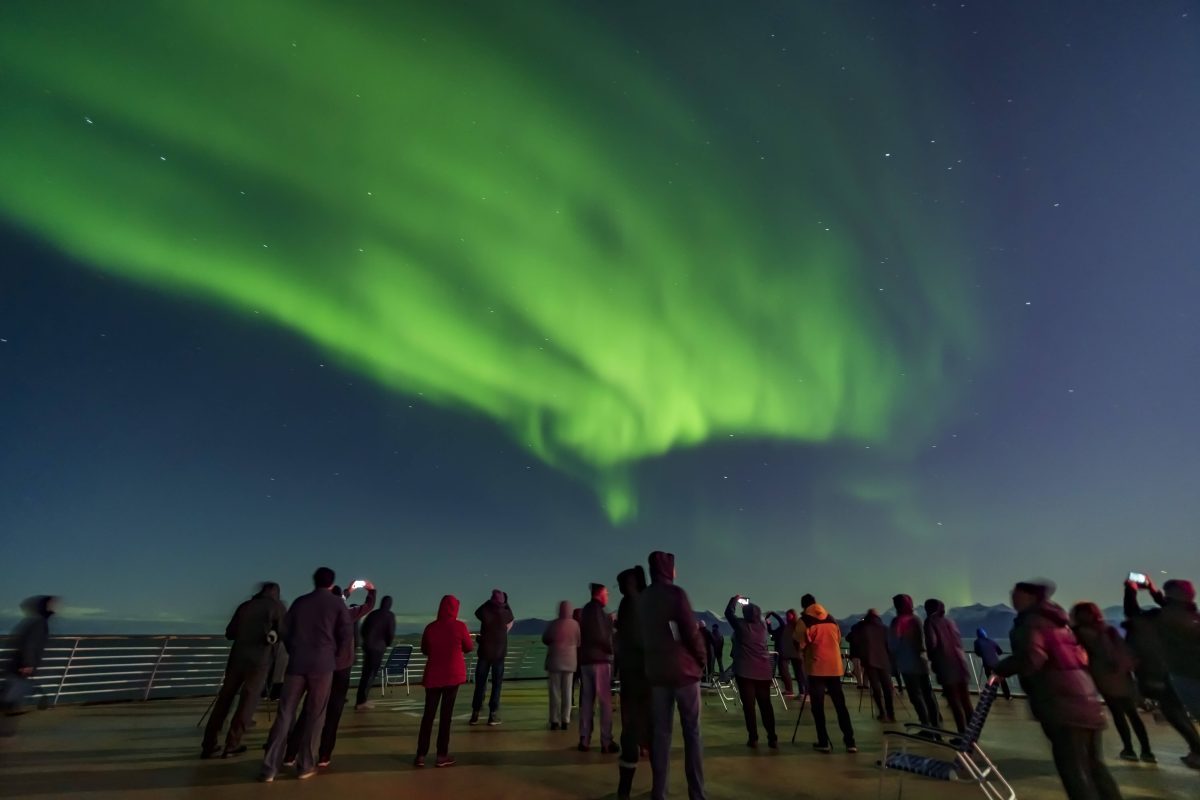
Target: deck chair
[
  {"x": 969, "y": 762},
  {"x": 776, "y": 690},
  {"x": 395, "y": 669},
  {"x": 725, "y": 687}
]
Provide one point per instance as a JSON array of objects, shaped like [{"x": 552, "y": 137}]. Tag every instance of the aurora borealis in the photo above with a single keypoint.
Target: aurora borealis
[{"x": 623, "y": 241}]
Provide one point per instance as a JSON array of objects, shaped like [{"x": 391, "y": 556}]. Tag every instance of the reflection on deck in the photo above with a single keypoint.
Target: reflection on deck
[{"x": 150, "y": 750}]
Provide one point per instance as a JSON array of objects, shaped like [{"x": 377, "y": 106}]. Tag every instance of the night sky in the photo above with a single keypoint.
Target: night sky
[{"x": 841, "y": 298}]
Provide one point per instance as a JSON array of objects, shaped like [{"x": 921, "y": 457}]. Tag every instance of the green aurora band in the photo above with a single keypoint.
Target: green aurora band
[{"x": 506, "y": 211}]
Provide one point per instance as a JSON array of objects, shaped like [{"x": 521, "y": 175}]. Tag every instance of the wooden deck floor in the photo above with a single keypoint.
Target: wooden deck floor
[{"x": 150, "y": 750}]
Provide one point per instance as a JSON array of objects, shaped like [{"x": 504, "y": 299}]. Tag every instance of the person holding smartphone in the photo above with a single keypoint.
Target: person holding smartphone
[{"x": 752, "y": 668}]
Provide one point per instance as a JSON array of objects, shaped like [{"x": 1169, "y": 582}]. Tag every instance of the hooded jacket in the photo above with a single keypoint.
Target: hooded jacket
[
  {"x": 250, "y": 628},
  {"x": 562, "y": 639},
  {"x": 671, "y": 640},
  {"x": 906, "y": 638},
  {"x": 346, "y": 653},
  {"x": 31, "y": 634},
  {"x": 872, "y": 643},
  {"x": 1179, "y": 631},
  {"x": 379, "y": 628},
  {"x": 630, "y": 657},
  {"x": 596, "y": 634},
  {"x": 494, "y": 617},
  {"x": 750, "y": 657},
  {"x": 944, "y": 643},
  {"x": 823, "y": 655},
  {"x": 445, "y": 642},
  {"x": 1052, "y": 667},
  {"x": 988, "y": 651},
  {"x": 1110, "y": 661}
]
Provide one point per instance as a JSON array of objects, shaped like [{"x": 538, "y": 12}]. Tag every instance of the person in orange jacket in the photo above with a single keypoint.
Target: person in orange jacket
[{"x": 823, "y": 662}]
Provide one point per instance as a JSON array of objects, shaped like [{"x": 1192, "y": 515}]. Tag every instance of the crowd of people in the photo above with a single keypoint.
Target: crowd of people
[{"x": 1068, "y": 664}]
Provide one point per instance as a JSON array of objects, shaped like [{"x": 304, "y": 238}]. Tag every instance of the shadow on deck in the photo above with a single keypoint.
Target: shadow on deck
[{"x": 151, "y": 750}]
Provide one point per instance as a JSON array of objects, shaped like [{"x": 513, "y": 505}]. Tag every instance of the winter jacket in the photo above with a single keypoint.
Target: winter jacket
[
  {"x": 250, "y": 630},
  {"x": 596, "y": 634},
  {"x": 872, "y": 643},
  {"x": 345, "y": 659},
  {"x": 1053, "y": 670},
  {"x": 315, "y": 630},
  {"x": 562, "y": 641},
  {"x": 494, "y": 617},
  {"x": 944, "y": 643},
  {"x": 1179, "y": 631},
  {"x": 1110, "y": 660},
  {"x": 718, "y": 641},
  {"x": 31, "y": 634},
  {"x": 379, "y": 628},
  {"x": 750, "y": 657},
  {"x": 781, "y": 636},
  {"x": 630, "y": 657},
  {"x": 906, "y": 638},
  {"x": 671, "y": 640},
  {"x": 823, "y": 655},
  {"x": 445, "y": 643},
  {"x": 988, "y": 651}
]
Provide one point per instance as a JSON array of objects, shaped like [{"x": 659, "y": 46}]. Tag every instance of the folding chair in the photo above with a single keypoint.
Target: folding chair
[
  {"x": 970, "y": 763},
  {"x": 395, "y": 671},
  {"x": 726, "y": 689},
  {"x": 776, "y": 691}
]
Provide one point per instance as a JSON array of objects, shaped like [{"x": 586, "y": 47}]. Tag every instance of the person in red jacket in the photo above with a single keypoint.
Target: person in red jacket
[{"x": 445, "y": 643}]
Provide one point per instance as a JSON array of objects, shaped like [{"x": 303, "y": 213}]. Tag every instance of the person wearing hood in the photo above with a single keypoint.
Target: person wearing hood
[
  {"x": 1053, "y": 670},
  {"x": 944, "y": 643},
  {"x": 717, "y": 662},
  {"x": 1110, "y": 662},
  {"x": 1179, "y": 630},
  {"x": 495, "y": 619},
  {"x": 254, "y": 630},
  {"x": 989, "y": 652},
  {"x": 561, "y": 638},
  {"x": 825, "y": 671},
  {"x": 377, "y": 634},
  {"x": 800, "y": 639},
  {"x": 872, "y": 647},
  {"x": 1143, "y": 631},
  {"x": 28, "y": 642},
  {"x": 787, "y": 655},
  {"x": 316, "y": 630},
  {"x": 674, "y": 656},
  {"x": 635, "y": 691},
  {"x": 596, "y": 657},
  {"x": 445, "y": 643},
  {"x": 752, "y": 668},
  {"x": 906, "y": 641},
  {"x": 339, "y": 687}
]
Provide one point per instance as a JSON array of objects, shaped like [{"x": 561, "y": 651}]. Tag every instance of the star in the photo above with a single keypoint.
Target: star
[
  {"x": 887, "y": 155},
  {"x": 88, "y": 120}
]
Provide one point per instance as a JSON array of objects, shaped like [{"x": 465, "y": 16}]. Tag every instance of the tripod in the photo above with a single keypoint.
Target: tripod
[{"x": 799, "y": 716}]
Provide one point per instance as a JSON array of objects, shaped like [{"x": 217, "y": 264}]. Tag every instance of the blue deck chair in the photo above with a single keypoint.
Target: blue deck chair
[
  {"x": 395, "y": 670},
  {"x": 969, "y": 762}
]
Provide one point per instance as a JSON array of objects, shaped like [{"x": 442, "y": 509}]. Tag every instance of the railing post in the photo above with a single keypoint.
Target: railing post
[
  {"x": 161, "y": 653},
  {"x": 62, "y": 682}
]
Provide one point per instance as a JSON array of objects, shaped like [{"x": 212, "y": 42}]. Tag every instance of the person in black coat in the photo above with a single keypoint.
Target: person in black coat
[
  {"x": 377, "y": 634},
  {"x": 787, "y": 657},
  {"x": 254, "y": 630},
  {"x": 752, "y": 667},
  {"x": 635, "y": 691},
  {"x": 674, "y": 652},
  {"x": 596, "y": 658},
  {"x": 717, "y": 665},
  {"x": 872, "y": 646},
  {"x": 28, "y": 649},
  {"x": 495, "y": 619}
]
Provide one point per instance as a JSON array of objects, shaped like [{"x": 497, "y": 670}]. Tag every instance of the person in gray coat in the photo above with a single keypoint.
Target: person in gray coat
[
  {"x": 752, "y": 667},
  {"x": 944, "y": 644},
  {"x": 315, "y": 630},
  {"x": 562, "y": 660}
]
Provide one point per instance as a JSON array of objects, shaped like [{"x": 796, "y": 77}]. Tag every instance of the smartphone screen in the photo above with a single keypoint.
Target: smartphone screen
[
  {"x": 1138, "y": 578},
  {"x": 743, "y": 601}
]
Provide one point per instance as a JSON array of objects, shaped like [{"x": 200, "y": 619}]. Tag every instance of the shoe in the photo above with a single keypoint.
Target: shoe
[
  {"x": 367, "y": 706},
  {"x": 419, "y": 761},
  {"x": 583, "y": 748},
  {"x": 610, "y": 749},
  {"x": 1191, "y": 760},
  {"x": 1127, "y": 755},
  {"x": 474, "y": 718},
  {"x": 307, "y": 774},
  {"x": 237, "y": 751},
  {"x": 493, "y": 721},
  {"x": 323, "y": 763},
  {"x": 890, "y": 720},
  {"x": 853, "y": 748},
  {"x": 291, "y": 763},
  {"x": 266, "y": 777},
  {"x": 444, "y": 761},
  {"x": 1148, "y": 757},
  {"x": 822, "y": 748},
  {"x": 213, "y": 753},
  {"x": 773, "y": 744},
  {"x": 752, "y": 743}
]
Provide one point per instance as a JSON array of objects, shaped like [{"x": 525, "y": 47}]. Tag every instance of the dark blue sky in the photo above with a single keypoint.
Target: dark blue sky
[{"x": 159, "y": 453}]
